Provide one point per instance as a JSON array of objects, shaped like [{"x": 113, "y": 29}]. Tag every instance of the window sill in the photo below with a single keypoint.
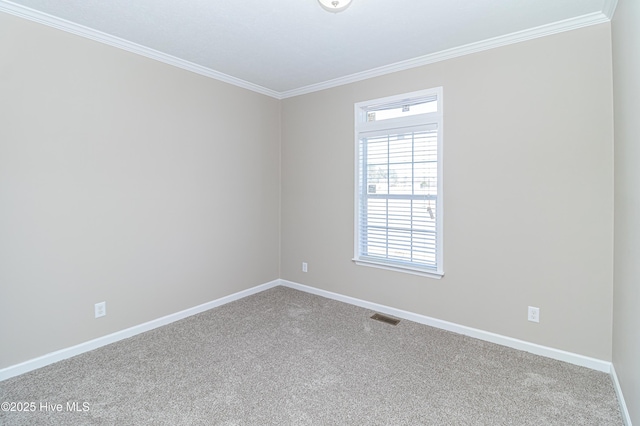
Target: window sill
[{"x": 398, "y": 268}]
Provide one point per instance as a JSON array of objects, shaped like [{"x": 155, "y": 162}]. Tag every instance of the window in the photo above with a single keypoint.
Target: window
[{"x": 399, "y": 183}]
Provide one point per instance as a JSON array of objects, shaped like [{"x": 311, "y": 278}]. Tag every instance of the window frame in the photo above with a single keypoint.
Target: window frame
[{"x": 408, "y": 123}]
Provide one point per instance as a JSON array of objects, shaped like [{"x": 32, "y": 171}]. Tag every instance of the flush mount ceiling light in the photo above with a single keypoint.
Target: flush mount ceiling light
[{"x": 334, "y": 6}]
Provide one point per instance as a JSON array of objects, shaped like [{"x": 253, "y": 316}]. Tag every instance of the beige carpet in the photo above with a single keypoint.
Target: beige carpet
[{"x": 284, "y": 357}]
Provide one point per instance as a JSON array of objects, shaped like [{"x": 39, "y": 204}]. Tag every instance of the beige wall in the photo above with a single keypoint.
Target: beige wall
[
  {"x": 626, "y": 316},
  {"x": 127, "y": 180},
  {"x": 124, "y": 180},
  {"x": 528, "y": 202}
]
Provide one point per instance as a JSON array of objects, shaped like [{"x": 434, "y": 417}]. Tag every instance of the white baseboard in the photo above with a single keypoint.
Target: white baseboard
[
  {"x": 572, "y": 358},
  {"x": 558, "y": 354},
  {"x": 545, "y": 351},
  {"x": 623, "y": 405},
  {"x": 65, "y": 353}
]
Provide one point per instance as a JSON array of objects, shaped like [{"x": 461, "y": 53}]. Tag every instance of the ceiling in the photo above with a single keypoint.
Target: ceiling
[{"x": 288, "y": 47}]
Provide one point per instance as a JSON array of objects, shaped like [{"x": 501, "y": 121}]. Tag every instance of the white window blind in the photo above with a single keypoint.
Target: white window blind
[{"x": 398, "y": 183}]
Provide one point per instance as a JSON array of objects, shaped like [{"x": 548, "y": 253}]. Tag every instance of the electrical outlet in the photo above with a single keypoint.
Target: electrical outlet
[
  {"x": 304, "y": 266},
  {"x": 100, "y": 309},
  {"x": 534, "y": 314}
]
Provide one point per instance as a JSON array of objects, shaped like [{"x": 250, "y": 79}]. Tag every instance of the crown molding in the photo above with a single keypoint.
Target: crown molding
[
  {"x": 609, "y": 8},
  {"x": 517, "y": 37},
  {"x": 99, "y": 36}
]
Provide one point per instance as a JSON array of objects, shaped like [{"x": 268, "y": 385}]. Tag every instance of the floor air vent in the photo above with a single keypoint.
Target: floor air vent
[{"x": 384, "y": 318}]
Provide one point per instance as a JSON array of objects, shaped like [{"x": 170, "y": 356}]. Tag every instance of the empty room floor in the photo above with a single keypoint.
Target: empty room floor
[{"x": 285, "y": 357}]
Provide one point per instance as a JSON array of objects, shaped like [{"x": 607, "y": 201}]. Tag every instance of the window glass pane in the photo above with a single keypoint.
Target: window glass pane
[
  {"x": 400, "y": 181},
  {"x": 399, "y": 214},
  {"x": 425, "y": 178},
  {"x": 376, "y": 242},
  {"x": 377, "y": 150},
  {"x": 426, "y": 146},
  {"x": 395, "y": 111},
  {"x": 399, "y": 245},
  {"x": 377, "y": 212},
  {"x": 401, "y": 148},
  {"x": 424, "y": 215},
  {"x": 377, "y": 179}
]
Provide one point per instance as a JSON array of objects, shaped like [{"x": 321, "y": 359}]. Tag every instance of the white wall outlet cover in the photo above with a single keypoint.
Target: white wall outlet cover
[
  {"x": 100, "y": 309},
  {"x": 533, "y": 314}
]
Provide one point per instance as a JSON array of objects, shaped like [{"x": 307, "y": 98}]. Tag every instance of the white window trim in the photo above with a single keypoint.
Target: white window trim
[{"x": 362, "y": 126}]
